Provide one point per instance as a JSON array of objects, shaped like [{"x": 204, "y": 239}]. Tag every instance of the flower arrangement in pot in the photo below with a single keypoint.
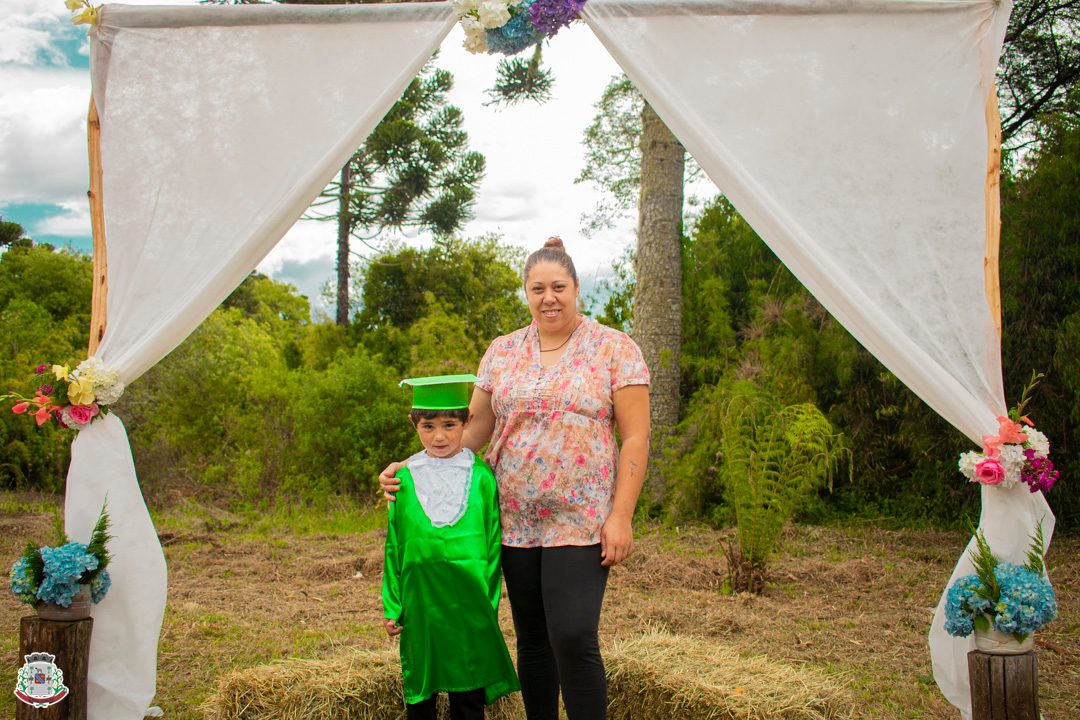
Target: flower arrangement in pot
[
  {"x": 1002, "y": 603},
  {"x": 61, "y": 582}
]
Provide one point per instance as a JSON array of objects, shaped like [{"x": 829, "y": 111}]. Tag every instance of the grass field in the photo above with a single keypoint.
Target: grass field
[{"x": 853, "y": 601}]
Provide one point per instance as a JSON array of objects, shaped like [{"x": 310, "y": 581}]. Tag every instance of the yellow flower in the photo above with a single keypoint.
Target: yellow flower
[
  {"x": 86, "y": 17},
  {"x": 80, "y": 391},
  {"x": 61, "y": 371},
  {"x": 73, "y": 5}
]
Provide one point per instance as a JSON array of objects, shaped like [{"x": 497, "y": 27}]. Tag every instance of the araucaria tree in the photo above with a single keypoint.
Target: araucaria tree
[{"x": 414, "y": 171}]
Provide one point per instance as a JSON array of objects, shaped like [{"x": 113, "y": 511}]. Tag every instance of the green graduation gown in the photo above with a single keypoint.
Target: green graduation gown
[{"x": 442, "y": 579}]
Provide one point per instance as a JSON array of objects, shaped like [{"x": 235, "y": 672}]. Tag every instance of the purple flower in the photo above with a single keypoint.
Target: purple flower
[
  {"x": 41, "y": 368},
  {"x": 45, "y": 389},
  {"x": 549, "y": 16},
  {"x": 1038, "y": 472}
]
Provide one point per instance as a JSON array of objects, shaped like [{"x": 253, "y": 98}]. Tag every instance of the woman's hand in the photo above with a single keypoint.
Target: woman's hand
[
  {"x": 616, "y": 540},
  {"x": 389, "y": 483},
  {"x": 392, "y": 628}
]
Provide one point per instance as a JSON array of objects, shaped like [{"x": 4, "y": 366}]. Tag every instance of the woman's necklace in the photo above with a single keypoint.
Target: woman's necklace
[{"x": 560, "y": 345}]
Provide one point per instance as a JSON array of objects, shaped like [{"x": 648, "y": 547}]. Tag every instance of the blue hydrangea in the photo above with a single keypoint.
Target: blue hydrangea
[
  {"x": 516, "y": 35},
  {"x": 100, "y": 586},
  {"x": 962, "y": 604},
  {"x": 1024, "y": 604},
  {"x": 20, "y": 584},
  {"x": 64, "y": 567}
]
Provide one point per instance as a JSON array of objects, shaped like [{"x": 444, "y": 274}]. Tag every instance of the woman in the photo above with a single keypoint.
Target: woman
[{"x": 548, "y": 400}]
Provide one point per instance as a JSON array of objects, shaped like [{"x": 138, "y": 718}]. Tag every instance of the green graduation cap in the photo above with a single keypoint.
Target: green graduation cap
[{"x": 440, "y": 392}]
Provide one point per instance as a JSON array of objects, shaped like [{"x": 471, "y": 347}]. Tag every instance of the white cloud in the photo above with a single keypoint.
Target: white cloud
[
  {"x": 73, "y": 222},
  {"x": 43, "y": 135}
]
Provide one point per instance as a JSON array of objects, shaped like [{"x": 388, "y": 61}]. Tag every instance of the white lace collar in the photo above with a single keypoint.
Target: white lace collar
[{"x": 442, "y": 485}]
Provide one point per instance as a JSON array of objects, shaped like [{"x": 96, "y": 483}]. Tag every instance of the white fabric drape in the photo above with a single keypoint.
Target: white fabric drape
[
  {"x": 851, "y": 135},
  {"x": 219, "y": 125}
]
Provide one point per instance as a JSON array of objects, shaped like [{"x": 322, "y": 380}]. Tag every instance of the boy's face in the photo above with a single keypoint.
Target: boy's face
[{"x": 442, "y": 436}]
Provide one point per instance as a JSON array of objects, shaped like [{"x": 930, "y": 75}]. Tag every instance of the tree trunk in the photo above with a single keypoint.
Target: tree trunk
[
  {"x": 657, "y": 320},
  {"x": 344, "y": 228}
]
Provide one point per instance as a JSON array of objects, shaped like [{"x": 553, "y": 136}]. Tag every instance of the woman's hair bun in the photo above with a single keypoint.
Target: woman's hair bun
[{"x": 555, "y": 243}]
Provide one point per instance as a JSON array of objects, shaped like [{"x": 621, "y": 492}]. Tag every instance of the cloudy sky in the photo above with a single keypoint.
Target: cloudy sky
[{"x": 533, "y": 151}]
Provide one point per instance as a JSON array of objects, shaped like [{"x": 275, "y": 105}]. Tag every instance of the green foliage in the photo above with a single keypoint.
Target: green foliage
[
  {"x": 98, "y": 545},
  {"x": 1036, "y": 554},
  {"x": 1040, "y": 287},
  {"x": 519, "y": 80},
  {"x": 612, "y": 300},
  {"x": 747, "y": 319},
  {"x": 44, "y": 318},
  {"x": 12, "y": 234},
  {"x": 774, "y": 460},
  {"x": 984, "y": 561},
  {"x": 477, "y": 281},
  {"x": 1040, "y": 66},
  {"x": 415, "y": 169}
]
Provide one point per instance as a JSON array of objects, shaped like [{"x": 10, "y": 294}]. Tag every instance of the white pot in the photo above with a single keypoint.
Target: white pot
[{"x": 998, "y": 643}]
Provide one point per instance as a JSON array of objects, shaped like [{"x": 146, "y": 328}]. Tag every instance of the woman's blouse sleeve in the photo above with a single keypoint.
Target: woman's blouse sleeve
[
  {"x": 627, "y": 364},
  {"x": 486, "y": 370}
]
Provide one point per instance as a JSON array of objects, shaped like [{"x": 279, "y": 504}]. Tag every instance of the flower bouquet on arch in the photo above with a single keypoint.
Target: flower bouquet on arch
[
  {"x": 70, "y": 574},
  {"x": 511, "y": 26},
  {"x": 1002, "y": 603},
  {"x": 71, "y": 397},
  {"x": 1018, "y": 453}
]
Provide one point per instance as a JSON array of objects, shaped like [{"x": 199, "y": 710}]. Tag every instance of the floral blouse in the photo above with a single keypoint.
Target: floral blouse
[{"x": 553, "y": 448}]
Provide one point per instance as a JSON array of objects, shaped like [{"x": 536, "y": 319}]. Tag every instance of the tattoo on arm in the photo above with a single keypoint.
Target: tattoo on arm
[{"x": 633, "y": 467}]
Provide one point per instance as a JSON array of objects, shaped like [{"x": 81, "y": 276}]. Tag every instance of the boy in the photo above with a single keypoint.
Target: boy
[{"x": 441, "y": 582}]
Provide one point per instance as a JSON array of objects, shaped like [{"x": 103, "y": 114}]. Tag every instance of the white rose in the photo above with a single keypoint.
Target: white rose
[
  {"x": 466, "y": 7},
  {"x": 494, "y": 14}
]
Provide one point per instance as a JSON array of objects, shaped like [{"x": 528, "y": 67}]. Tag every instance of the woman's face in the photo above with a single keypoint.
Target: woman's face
[{"x": 552, "y": 297}]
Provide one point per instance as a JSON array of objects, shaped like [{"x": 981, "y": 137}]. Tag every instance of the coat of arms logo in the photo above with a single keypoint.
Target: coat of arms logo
[{"x": 40, "y": 682}]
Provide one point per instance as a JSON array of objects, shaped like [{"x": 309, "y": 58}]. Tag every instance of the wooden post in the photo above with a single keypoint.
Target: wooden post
[
  {"x": 991, "y": 277},
  {"x": 98, "y": 302},
  {"x": 1004, "y": 687},
  {"x": 69, "y": 642}
]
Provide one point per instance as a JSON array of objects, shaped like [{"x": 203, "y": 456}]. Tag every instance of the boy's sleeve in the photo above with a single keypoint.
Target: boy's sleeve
[
  {"x": 391, "y": 579},
  {"x": 493, "y": 526}
]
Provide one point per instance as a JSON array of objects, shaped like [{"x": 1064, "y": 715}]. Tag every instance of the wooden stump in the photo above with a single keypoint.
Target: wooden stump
[
  {"x": 70, "y": 643},
  {"x": 1004, "y": 687}
]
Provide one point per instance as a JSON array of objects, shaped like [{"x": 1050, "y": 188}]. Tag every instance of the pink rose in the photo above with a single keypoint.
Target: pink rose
[
  {"x": 82, "y": 414},
  {"x": 989, "y": 472}
]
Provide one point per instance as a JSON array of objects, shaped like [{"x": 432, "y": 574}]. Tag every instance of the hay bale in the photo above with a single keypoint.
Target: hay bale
[
  {"x": 357, "y": 685},
  {"x": 661, "y": 675}
]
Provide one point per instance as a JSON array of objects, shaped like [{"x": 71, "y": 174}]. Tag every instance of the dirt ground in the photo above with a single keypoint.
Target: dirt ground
[{"x": 853, "y": 601}]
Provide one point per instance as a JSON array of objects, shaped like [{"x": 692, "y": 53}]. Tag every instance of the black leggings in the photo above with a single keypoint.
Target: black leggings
[
  {"x": 555, "y": 597},
  {"x": 468, "y": 705}
]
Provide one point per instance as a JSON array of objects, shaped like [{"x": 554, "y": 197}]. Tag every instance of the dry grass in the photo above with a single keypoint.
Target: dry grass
[
  {"x": 851, "y": 602},
  {"x": 353, "y": 685},
  {"x": 660, "y": 675}
]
